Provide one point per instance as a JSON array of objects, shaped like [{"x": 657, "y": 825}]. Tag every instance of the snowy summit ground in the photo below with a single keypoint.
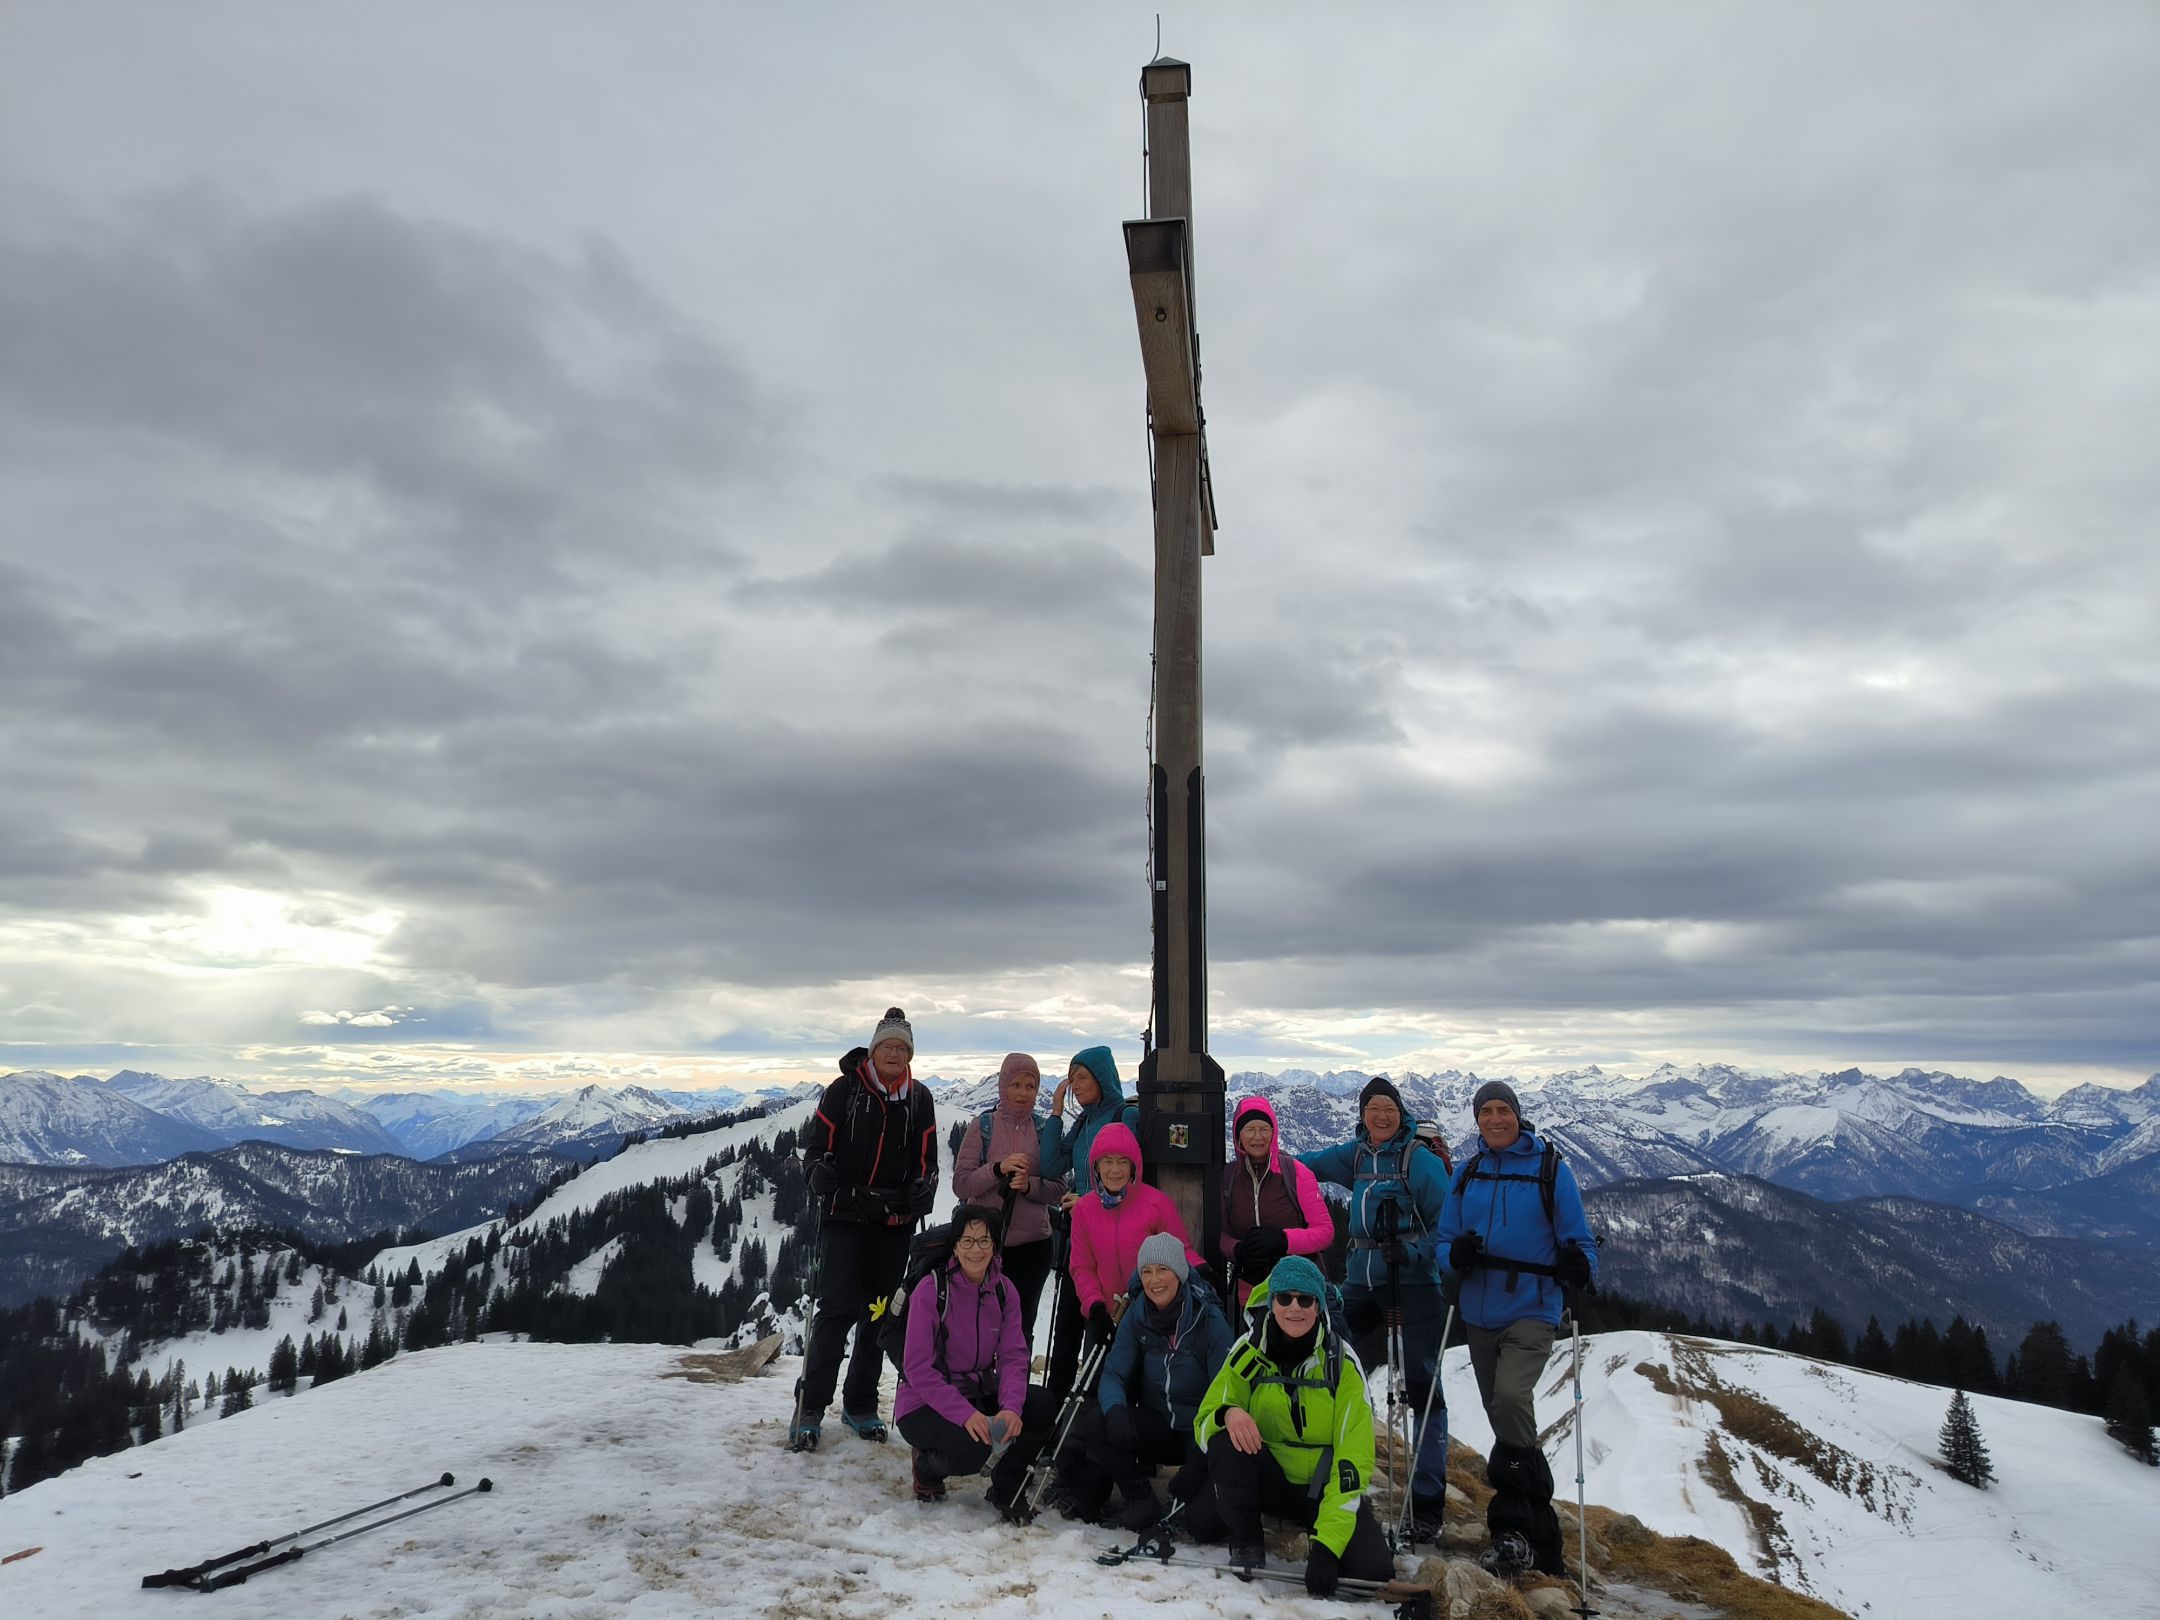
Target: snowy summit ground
[{"x": 625, "y": 1489}]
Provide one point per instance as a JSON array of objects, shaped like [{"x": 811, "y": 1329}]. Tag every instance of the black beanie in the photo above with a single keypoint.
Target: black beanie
[
  {"x": 1380, "y": 1086},
  {"x": 1496, "y": 1090}
]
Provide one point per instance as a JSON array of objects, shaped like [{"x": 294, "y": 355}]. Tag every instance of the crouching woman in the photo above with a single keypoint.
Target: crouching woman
[
  {"x": 964, "y": 1385},
  {"x": 1287, "y": 1430}
]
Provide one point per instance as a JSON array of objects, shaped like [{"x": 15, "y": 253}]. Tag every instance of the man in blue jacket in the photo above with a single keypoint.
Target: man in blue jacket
[
  {"x": 1397, "y": 1190},
  {"x": 1515, "y": 1237}
]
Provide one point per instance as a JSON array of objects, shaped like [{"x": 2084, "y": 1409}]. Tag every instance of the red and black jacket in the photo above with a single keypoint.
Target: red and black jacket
[{"x": 883, "y": 1146}]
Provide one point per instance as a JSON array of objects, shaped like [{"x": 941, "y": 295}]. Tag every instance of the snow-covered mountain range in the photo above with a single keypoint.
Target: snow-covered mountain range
[
  {"x": 135, "y": 1118},
  {"x": 2083, "y": 1164}
]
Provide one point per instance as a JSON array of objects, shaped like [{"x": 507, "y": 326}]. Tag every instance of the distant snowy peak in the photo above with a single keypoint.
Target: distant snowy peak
[{"x": 45, "y": 1119}]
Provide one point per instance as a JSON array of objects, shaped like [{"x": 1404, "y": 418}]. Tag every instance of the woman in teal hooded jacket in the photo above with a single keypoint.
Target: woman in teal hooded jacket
[{"x": 1092, "y": 1082}]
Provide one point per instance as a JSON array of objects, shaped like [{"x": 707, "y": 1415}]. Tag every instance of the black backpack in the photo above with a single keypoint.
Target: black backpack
[
  {"x": 1548, "y": 1171},
  {"x": 929, "y": 1250}
]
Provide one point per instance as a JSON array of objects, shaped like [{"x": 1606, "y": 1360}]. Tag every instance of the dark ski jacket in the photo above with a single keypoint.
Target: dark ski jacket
[
  {"x": 1165, "y": 1360},
  {"x": 1510, "y": 1216},
  {"x": 883, "y": 1145},
  {"x": 1402, "y": 1169}
]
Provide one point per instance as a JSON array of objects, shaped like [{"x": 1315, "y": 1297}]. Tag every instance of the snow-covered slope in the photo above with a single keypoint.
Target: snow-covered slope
[
  {"x": 620, "y": 1488},
  {"x": 1826, "y": 1479},
  {"x": 590, "y": 1121},
  {"x": 48, "y": 1119},
  {"x": 672, "y": 1497}
]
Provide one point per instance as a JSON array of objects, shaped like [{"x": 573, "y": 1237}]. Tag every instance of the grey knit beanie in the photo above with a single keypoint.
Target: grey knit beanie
[
  {"x": 1164, "y": 1249},
  {"x": 1496, "y": 1090},
  {"x": 894, "y": 1027}
]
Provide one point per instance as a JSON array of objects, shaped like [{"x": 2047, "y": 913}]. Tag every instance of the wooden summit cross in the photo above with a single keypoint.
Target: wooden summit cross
[{"x": 1181, "y": 1087}]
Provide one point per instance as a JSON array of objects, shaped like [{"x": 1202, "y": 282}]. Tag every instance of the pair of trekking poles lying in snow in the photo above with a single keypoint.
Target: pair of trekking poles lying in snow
[{"x": 216, "y": 1574}]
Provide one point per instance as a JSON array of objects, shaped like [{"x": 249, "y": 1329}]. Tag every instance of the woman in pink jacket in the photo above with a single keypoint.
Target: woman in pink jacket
[
  {"x": 1271, "y": 1206},
  {"x": 1110, "y": 1224}
]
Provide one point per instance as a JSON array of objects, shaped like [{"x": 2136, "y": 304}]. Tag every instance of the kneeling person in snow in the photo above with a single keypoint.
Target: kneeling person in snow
[
  {"x": 1170, "y": 1344},
  {"x": 1511, "y": 1257},
  {"x": 963, "y": 1386},
  {"x": 1287, "y": 1429}
]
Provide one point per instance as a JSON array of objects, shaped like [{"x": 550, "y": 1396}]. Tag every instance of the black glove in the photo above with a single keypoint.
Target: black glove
[
  {"x": 1322, "y": 1570},
  {"x": 1258, "y": 1250},
  {"x": 1120, "y": 1430},
  {"x": 824, "y": 1175},
  {"x": 1573, "y": 1267},
  {"x": 921, "y": 1194},
  {"x": 1362, "y": 1315},
  {"x": 1386, "y": 1220},
  {"x": 1466, "y": 1253},
  {"x": 1101, "y": 1330}
]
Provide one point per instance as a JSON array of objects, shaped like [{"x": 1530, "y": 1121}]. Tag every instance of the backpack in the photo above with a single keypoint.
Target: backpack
[
  {"x": 929, "y": 1250},
  {"x": 1548, "y": 1171}
]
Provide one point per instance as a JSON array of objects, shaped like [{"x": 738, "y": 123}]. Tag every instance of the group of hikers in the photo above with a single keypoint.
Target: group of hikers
[{"x": 1247, "y": 1375}]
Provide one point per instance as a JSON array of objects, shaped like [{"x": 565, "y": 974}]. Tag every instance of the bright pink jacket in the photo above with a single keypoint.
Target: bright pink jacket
[
  {"x": 1106, "y": 1242},
  {"x": 1286, "y": 1194}
]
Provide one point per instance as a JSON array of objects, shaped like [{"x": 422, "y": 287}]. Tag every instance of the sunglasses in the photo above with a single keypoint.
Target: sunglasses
[{"x": 1297, "y": 1302}]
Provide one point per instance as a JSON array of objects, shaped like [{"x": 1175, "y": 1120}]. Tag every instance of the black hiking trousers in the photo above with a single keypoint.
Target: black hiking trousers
[
  {"x": 861, "y": 1266},
  {"x": 1162, "y": 1444},
  {"x": 1243, "y": 1487},
  {"x": 949, "y": 1449}
]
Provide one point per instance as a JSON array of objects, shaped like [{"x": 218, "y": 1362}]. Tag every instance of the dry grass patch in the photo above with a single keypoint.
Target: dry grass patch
[{"x": 1698, "y": 1571}]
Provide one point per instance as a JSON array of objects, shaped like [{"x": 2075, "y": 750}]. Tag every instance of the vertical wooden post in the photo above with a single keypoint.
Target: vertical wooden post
[{"x": 1180, "y": 1087}]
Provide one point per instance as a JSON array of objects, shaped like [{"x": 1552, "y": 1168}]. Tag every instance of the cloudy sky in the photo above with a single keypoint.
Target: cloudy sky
[{"x": 557, "y": 541}]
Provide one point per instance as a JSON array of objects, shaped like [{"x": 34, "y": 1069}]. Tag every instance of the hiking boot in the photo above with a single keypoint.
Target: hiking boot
[
  {"x": 1011, "y": 1506},
  {"x": 1247, "y": 1559},
  {"x": 1508, "y": 1555},
  {"x": 866, "y": 1425},
  {"x": 1140, "y": 1512},
  {"x": 929, "y": 1484},
  {"x": 805, "y": 1433},
  {"x": 1426, "y": 1514}
]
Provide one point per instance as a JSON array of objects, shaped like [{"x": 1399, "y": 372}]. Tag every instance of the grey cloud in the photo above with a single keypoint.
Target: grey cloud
[{"x": 971, "y": 581}]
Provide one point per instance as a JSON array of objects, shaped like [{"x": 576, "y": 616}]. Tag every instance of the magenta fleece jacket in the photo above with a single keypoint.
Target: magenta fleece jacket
[
  {"x": 983, "y": 1330},
  {"x": 1106, "y": 1242}
]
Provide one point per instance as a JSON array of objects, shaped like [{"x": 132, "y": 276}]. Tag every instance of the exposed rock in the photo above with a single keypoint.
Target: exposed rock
[
  {"x": 1625, "y": 1530},
  {"x": 1550, "y": 1602}
]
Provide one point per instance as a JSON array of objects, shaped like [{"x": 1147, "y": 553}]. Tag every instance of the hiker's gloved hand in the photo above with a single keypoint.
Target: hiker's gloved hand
[
  {"x": 921, "y": 1194},
  {"x": 824, "y": 1175},
  {"x": 1466, "y": 1253},
  {"x": 1101, "y": 1329},
  {"x": 1362, "y": 1315},
  {"x": 1573, "y": 1266},
  {"x": 1119, "y": 1429},
  {"x": 1322, "y": 1570},
  {"x": 1258, "y": 1250}
]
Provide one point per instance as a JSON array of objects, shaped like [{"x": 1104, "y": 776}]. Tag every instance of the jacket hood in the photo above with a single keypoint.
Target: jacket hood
[
  {"x": 1248, "y": 1106},
  {"x": 1116, "y": 1137},
  {"x": 1098, "y": 1062}
]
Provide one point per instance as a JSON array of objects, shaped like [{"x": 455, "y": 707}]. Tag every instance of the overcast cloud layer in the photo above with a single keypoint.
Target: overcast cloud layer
[{"x": 556, "y": 541}]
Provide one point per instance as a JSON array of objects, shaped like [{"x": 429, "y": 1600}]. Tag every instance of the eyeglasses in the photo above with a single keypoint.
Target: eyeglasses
[
  {"x": 974, "y": 1243},
  {"x": 1297, "y": 1302}
]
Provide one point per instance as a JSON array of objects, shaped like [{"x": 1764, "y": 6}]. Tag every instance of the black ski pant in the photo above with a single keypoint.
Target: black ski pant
[
  {"x": 949, "y": 1449},
  {"x": 1125, "y": 1450},
  {"x": 1424, "y": 1314},
  {"x": 1027, "y": 1268},
  {"x": 858, "y": 1267},
  {"x": 1242, "y": 1487},
  {"x": 1067, "y": 1329}
]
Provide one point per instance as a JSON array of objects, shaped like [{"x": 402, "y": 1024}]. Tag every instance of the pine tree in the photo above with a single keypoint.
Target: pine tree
[
  {"x": 2129, "y": 1417},
  {"x": 1964, "y": 1453}
]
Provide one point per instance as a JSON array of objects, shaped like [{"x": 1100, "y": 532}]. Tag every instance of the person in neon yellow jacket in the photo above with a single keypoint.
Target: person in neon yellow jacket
[{"x": 1287, "y": 1430}]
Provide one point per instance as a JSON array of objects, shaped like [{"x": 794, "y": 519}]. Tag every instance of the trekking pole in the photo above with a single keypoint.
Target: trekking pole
[
  {"x": 1582, "y": 1512},
  {"x": 293, "y": 1554},
  {"x": 183, "y": 1577},
  {"x": 1397, "y": 1407},
  {"x": 809, "y": 1324},
  {"x": 1043, "y": 1471},
  {"x": 1432, "y": 1391}
]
